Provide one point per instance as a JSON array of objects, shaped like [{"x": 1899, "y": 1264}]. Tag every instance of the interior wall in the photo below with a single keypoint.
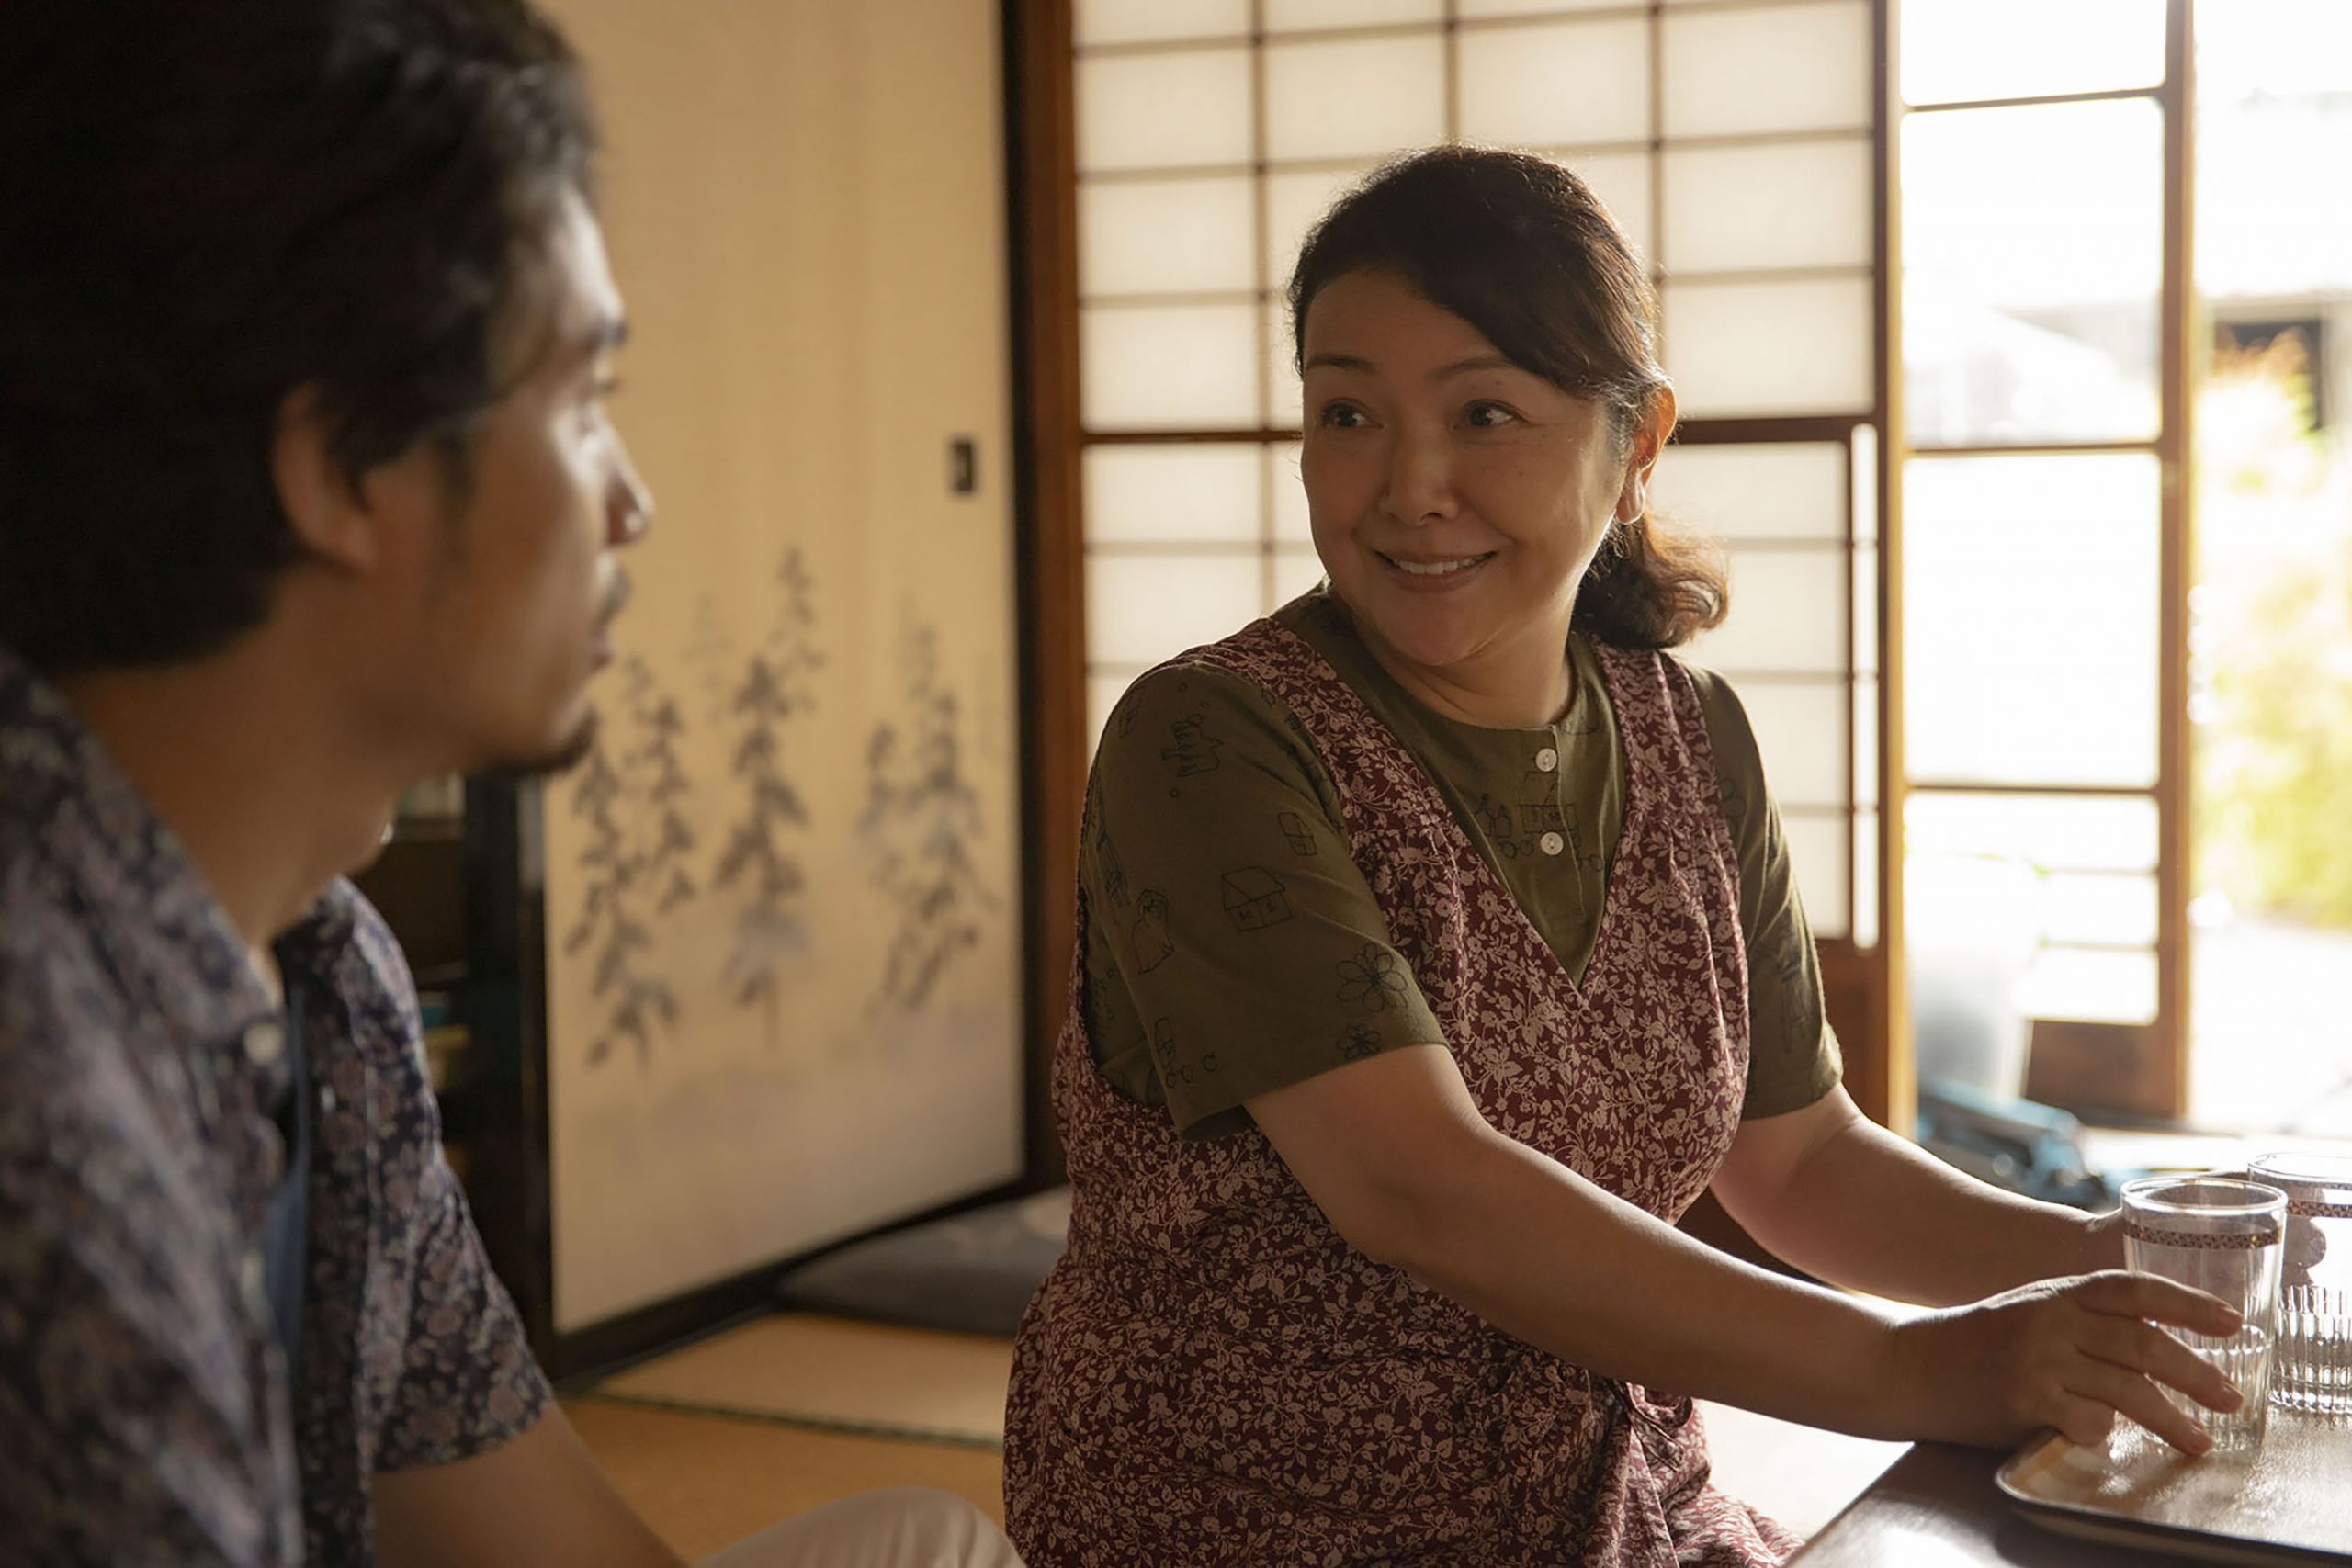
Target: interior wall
[{"x": 782, "y": 900}]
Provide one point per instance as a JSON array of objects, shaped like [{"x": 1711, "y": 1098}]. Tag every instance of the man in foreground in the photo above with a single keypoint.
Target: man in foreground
[{"x": 307, "y": 493}]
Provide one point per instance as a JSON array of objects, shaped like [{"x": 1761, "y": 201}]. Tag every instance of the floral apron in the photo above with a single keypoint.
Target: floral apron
[{"x": 1212, "y": 1375}]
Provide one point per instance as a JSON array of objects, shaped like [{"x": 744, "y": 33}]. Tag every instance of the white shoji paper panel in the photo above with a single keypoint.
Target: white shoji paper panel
[
  {"x": 1141, "y": 609},
  {"x": 1296, "y": 571},
  {"x": 1788, "y": 615},
  {"x": 1163, "y": 236},
  {"x": 1473, "y": 9},
  {"x": 1802, "y": 346},
  {"x": 1866, "y": 886},
  {"x": 1792, "y": 491},
  {"x": 1174, "y": 365},
  {"x": 1749, "y": 208},
  {"x": 1183, "y": 493},
  {"x": 1293, "y": 16},
  {"x": 1142, "y": 21},
  {"x": 1801, "y": 733},
  {"x": 1568, "y": 81},
  {"x": 1157, "y": 111},
  {"x": 1775, "y": 69},
  {"x": 1292, "y": 522},
  {"x": 1355, "y": 98},
  {"x": 1297, "y": 200},
  {"x": 1283, "y": 390}
]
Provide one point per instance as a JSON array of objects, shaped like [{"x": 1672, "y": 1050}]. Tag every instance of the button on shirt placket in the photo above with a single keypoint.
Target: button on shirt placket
[{"x": 1547, "y": 761}]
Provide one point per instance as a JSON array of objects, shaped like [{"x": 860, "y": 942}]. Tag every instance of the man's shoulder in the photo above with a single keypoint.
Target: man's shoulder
[
  {"x": 81, "y": 1103},
  {"x": 55, "y": 987}
]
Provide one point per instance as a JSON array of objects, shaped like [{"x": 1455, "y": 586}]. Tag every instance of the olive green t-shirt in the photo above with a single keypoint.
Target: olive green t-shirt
[{"x": 1233, "y": 947}]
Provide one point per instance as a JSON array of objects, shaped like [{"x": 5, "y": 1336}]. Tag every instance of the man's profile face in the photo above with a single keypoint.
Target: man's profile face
[{"x": 514, "y": 614}]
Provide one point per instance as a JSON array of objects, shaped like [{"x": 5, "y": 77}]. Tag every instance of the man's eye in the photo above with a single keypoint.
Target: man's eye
[{"x": 1485, "y": 416}]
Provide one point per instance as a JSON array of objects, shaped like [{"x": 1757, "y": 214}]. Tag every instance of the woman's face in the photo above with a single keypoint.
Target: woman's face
[{"x": 1456, "y": 499}]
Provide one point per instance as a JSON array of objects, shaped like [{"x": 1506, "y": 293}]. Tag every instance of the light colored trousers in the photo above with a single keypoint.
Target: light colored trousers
[{"x": 903, "y": 1527}]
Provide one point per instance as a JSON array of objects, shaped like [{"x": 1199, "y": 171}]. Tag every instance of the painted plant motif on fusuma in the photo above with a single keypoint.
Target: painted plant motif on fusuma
[
  {"x": 921, "y": 816},
  {"x": 758, "y": 863},
  {"x": 634, "y": 861}
]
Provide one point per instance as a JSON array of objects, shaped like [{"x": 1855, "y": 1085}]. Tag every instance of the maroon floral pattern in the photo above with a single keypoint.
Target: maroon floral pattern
[{"x": 1212, "y": 1375}]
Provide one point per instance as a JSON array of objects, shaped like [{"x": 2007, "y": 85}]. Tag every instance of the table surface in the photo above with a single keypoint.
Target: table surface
[{"x": 1937, "y": 1505}]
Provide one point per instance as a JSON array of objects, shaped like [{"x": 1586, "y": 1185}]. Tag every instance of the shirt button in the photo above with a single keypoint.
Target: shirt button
[
  {"x": 264, "y": 1043},
  {"x": 1552, "y": 843},
  {"x": 326, "y": 1100},
  {"x": 1547, "y": 758},
  {"x": 249, "y": 1277}
]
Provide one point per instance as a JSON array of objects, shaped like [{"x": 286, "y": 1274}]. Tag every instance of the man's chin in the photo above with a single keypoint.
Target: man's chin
[{"x": 561, "y": 758}]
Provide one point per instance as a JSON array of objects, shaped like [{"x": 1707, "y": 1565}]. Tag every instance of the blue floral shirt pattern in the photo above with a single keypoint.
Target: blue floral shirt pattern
[{"x": 146, "y": 1412}]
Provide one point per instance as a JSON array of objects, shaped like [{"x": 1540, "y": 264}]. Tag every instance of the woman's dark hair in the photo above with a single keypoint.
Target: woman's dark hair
[
  {"x": 1521, "y": 248},
  {"x": 207, "y": 205}
]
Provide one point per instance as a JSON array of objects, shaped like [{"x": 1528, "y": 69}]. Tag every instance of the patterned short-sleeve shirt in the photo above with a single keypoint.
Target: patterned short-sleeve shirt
[{"x": 146, "y": 1411}]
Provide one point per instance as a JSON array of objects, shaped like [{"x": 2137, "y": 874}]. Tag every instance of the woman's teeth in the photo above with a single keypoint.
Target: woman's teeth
[{"x": 1436, "y": 568}]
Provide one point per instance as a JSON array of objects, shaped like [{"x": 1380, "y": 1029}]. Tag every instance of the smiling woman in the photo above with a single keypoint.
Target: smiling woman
[{"x": 1438, "y": 947}]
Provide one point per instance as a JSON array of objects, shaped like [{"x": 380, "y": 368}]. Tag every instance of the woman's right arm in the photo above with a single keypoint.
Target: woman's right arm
[{"x": 1396, "y": 1153}]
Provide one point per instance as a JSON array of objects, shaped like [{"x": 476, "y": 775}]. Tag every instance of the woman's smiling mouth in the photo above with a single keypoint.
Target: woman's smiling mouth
[{"x": 1435, "y": 570}]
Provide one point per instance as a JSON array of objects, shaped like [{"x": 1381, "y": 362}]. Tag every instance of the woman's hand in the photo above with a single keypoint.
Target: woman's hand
[{"x": 2071, "y": 1354}]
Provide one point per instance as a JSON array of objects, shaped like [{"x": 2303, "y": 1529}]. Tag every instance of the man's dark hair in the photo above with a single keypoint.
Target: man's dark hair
[{"x": 208, "y": 205}]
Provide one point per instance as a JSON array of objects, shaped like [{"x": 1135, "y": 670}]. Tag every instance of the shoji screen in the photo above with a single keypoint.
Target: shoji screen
[{"x": 1736, "y": 142}]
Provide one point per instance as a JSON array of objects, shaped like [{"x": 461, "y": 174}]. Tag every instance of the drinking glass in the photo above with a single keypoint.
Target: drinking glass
[
  {"x": 2315, "y": 1371},
  {"x": 2223, "y": 1237}
]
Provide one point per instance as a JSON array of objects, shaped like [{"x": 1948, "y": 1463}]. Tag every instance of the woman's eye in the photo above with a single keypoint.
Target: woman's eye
[
  {"x": 1487, "y": 416},
  {"x": 1342, "y": 416}
]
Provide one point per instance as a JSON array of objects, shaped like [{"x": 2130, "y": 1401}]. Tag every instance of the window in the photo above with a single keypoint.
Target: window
[{"x": 1736, "y": 142}]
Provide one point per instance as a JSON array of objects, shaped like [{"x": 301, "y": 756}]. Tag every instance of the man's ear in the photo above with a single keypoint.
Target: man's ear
[{"x": 327, "y": 511}]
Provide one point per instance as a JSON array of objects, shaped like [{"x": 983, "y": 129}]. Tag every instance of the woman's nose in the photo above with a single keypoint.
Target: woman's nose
[{"x": 1419, "y": 487}]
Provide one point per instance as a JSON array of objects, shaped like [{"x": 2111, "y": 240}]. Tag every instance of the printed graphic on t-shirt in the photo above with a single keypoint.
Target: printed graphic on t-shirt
[{"x": 1255, "y": 898}]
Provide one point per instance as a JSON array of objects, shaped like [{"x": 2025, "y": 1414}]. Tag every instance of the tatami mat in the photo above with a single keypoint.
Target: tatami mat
[
  {"x": 832, "y": 1373},
  {"x": 704, "y": 1482}
]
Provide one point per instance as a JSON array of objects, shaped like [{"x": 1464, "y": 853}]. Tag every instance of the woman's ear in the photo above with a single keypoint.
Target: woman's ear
[
  {"x": 1650, "y": 436},
  {"x": 330, "y": 519}
]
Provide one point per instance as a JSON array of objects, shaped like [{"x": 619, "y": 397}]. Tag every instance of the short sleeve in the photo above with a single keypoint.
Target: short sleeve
[
  {"x": 1234, "y": 944},
  {"x": 468, "y": 1380},
  {"x": 1793, "y": 1057}
]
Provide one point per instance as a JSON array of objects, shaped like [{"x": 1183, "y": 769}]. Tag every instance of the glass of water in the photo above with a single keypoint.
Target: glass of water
[
  {"x": 2225, "y": 1237},
  {"x": 2314, "y": 1371}
]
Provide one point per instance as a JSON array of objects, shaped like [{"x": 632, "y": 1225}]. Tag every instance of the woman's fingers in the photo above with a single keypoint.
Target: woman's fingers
[
  {"x": 2138, "y": 1347},
  {"x": 2159, "y": 1301},
  {"x": 2127, "y": 1393},
  {"x": 2083, "y": 1422}
]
